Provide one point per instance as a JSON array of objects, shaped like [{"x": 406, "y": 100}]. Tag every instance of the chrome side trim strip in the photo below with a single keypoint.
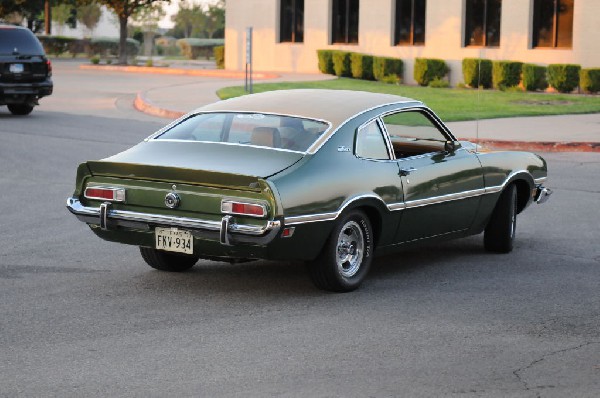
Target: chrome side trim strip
[
  {"x": 445, "y": 198},
  {"x": 75, "y": 206},
  {"x": 540, "y": 180},
  {"x": 310, "y": 218}
]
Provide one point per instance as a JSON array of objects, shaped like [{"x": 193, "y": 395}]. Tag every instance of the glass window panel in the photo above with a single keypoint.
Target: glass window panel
[
  {"x": 370, "y": 143},
  {"x": 291, "y": 23},
  {"x": 412, "y": 126},
  {"x": 344, "y": 23},
  {"x": 419, "y": 22},
  {"x": 543, "y": 23},
  {"x": 564, "y": 37},
  {"x": 482, "y": 23},
  {"x": 286, "y": 132}
]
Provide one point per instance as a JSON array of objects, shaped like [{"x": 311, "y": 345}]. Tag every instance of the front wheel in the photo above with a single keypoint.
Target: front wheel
[
  {"x": 165, "y": 261},
  {"x": 499, "y": 234},
  {"x": 20, "y": 109},
  {"x": 346, "y": 257}
]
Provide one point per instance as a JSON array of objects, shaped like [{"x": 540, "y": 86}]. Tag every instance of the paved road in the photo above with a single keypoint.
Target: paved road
[{"x": 83, "y": 317}]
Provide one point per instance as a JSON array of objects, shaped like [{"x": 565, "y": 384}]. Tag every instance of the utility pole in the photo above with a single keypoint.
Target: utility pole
[{"x": 47, "y": 17}]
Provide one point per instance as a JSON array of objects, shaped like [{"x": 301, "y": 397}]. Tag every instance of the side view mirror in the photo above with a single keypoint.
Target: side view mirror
[{"x": 451, "y": 146}]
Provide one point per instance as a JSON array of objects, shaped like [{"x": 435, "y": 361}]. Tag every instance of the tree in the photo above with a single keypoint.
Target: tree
[
  {"x": 124, "y": 9},
  {"x": 215, "y": 19},
  {"x": 60, "y": 15},
  {"x": 89, "y": 16},
  {"x": 188, "y": 20},
  {"x": 31, "y": 10},
  {"x": 146, "y": 19}
]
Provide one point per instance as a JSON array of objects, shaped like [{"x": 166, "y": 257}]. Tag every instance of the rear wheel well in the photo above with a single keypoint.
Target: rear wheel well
[
  {"x": 523, "y": 194},
  {"x": 375, "y": 219}
]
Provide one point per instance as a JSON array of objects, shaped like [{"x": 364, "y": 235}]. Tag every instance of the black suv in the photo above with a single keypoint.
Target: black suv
[{"x": 25, "y": 72}]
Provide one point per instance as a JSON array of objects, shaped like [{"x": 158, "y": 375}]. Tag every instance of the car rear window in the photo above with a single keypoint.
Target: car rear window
[
  {"x": 254, "y": 129},
  {"x": 21, "y": 40}
]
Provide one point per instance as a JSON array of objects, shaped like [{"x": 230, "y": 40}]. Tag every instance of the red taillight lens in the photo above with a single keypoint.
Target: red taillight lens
[
  {"x": 49, "y": 66},
  {"x": 112, "y": 194},
  {"x": 244, "y": 209}
]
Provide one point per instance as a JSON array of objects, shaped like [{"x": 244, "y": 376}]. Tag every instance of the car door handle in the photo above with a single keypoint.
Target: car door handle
[{"x": 406, "y": 171}]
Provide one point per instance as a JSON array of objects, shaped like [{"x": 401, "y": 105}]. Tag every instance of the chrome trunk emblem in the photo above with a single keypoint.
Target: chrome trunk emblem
[{"x": 172, "y": 200}]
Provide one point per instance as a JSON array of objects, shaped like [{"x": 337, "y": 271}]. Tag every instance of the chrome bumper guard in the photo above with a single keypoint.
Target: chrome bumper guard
[
  {"x": 226, "y": 230},
  {"x": 542, "y": 195}
]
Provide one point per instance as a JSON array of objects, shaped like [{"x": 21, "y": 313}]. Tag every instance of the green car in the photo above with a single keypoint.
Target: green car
[{"x": 327, "y": 177}]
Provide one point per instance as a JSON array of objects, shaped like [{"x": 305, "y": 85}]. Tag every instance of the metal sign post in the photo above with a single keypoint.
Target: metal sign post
[{"x": 248, "y": 80}]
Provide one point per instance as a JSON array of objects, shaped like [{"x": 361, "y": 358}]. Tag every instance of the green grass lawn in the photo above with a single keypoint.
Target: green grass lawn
[{"x": 452, "y": 104}]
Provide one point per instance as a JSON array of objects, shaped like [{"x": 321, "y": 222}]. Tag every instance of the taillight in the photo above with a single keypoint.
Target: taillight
[
  {"x": 243, "y": 208},
  {"x": 49, "y": 67},
  {"x": 102, "y": 193}
]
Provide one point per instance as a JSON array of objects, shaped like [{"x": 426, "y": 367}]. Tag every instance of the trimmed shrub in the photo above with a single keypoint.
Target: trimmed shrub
[
  {"x": 107, "y": 46},
  {"x": 192, "y": 48},
  {"x": 219, "y": 53},
  {"x": 362, "y": 66},
  {"x": 506, "y": 74},
  {"x": 589, "y": 80},
  {"x": 384, "y": 67},
  {"x": 326, "y": 61},
  {"x": 57, "y": 45},
  {"x": 477, "y": 71},
  {"x": 427, "y": 69},
  {"x": 563, "y": 77},
  {"x": 341, "y": 63},
  {"x": 438, "y": 83},
  {"x": 534, "y": 77}
]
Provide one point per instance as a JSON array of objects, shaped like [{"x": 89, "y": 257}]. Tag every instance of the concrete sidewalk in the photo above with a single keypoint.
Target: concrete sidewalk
[{"x": 572, "y": 133}]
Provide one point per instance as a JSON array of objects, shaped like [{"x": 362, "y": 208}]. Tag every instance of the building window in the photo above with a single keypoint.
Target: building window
[
  {"x": 482, "y": 23},
  {"x": 344, "y": 22},
  {"x": 410, "y": 23},
  {"x": 553, "y": 23},
  {"x": 291, "y": 22}
]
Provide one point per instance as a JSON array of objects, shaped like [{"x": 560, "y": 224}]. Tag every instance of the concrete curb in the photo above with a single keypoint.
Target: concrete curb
[
  {"x": 221, "y": 73},
  {"x": 146, "y": 106},
  {"x": 539, "y": 146}
]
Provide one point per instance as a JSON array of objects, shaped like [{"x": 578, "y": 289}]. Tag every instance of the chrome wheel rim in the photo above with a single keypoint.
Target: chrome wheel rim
[{"x": 350, "y": 249}]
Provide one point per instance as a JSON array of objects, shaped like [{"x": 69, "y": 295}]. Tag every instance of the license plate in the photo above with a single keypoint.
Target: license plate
[
  {"x": 174, "y": 240},
  {"x": 16, "y": 68}
]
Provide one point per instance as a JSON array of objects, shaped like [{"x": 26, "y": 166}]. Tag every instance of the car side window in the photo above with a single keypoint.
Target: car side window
[
  {"x": 413, "y": 133},
  {"x": 370, "y": 143}
]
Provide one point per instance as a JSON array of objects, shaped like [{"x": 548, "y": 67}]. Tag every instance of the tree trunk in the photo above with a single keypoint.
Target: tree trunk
[{"x": 123, "y": 39}]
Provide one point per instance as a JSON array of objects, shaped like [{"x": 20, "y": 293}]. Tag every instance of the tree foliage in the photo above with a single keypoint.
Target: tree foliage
[
  {"x": 193, "y": 20},
  {"x": 89, "y": 15},
  {"x": 124, "y": 10}
]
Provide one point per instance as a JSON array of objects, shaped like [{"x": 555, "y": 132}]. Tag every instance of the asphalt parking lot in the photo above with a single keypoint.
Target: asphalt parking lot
[{"x": 84, "y": 317}]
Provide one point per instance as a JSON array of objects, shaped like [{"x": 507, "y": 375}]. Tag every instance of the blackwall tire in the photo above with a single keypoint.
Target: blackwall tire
[
  {"x": 499, "y": 235},
  {"x": 346, "y": 257},
  {"x": 165, "y": 261},
  {"x": 20, "y": 109}
]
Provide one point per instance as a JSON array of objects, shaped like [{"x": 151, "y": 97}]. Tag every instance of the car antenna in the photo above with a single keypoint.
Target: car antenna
[{"x": 478, "y": 106}]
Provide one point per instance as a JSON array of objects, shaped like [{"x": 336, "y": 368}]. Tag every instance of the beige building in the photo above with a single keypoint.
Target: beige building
[{"x": 288, "y": 33}]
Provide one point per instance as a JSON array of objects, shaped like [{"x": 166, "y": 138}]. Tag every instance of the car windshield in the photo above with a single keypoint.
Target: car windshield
[
  {"x": 19, "y": 41},
  {"x": 255, "y": 129}
]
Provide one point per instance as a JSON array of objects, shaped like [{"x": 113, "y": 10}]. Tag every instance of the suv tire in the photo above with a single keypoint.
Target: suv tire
[{"x": 20, "y": 109}]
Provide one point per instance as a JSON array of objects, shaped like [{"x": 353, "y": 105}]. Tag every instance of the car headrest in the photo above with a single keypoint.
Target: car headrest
[{"x": 266, "y": 136}]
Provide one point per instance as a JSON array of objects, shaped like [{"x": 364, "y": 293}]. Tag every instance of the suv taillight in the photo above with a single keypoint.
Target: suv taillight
[{"x": 49, "y": 67}]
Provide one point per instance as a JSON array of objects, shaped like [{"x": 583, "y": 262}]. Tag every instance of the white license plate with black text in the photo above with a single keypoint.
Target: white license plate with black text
[
  {"x": 16, "y": 68},
  {"x": 174, "y": 240}
]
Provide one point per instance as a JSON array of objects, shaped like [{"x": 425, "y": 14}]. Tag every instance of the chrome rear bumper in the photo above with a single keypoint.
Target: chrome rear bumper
[
  {"x": 225, "y": 230},
  {"x": 542, "y": 194}
]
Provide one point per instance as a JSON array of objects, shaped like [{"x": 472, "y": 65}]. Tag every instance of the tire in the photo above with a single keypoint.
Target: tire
[
  {"x": 164, "y": 261},
  {"x": 20, "y": 109},
  {"x": 346, "y": 257},
  {"x": 499, "y": 234}
]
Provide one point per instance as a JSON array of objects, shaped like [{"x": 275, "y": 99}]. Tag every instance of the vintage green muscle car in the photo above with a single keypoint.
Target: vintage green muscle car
[{"x": 323, "y": 176}]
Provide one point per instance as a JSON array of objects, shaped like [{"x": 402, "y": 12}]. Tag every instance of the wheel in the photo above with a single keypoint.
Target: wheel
[
  {"x": 499, "y": 234},
  {"x": 20, "y": 109},
  {"x": 164, "y": 261},
  {"x": 346, "y": 256}
]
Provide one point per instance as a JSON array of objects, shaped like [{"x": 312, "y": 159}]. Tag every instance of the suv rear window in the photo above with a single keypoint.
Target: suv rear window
[{"x": 22, "y": 40}]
